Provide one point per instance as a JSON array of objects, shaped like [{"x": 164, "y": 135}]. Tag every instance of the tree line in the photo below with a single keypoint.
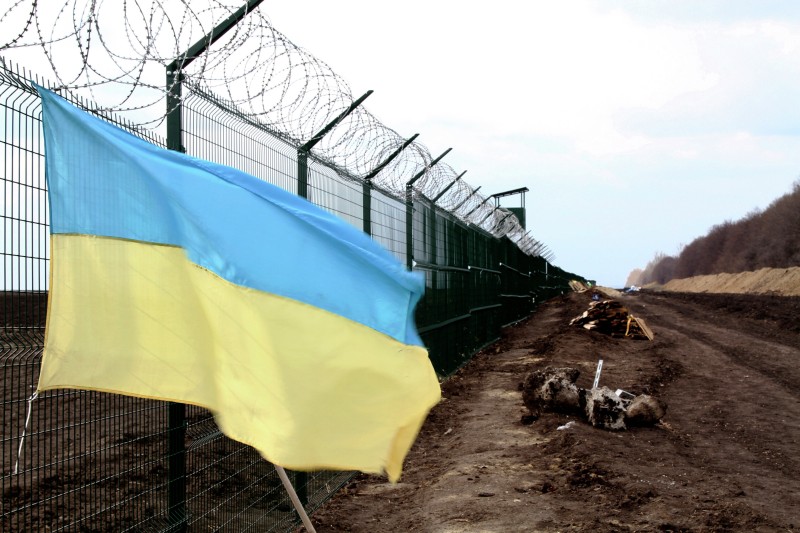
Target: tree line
[{"x": 768, "y": 238}]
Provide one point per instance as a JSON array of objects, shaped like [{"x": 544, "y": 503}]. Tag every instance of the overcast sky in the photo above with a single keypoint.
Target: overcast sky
[{"x": 635, "y": 125}]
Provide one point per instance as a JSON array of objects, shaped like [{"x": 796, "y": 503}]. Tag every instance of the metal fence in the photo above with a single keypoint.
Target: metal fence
[{"x": 88, "y": 461}]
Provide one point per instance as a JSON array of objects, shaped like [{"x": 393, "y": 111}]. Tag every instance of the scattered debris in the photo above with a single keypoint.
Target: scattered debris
[
  {"x": 604, "y": 409},
  {"x": 645, "y": 410},
  {"x": 625, "y": 396},
  {"x": 609, "y": 293},
  {"x": 554, "y": 389},
  {"x": 638, "y": 327},
  {"x": 612, "y": 318},
  {"x": 605, "y": 316},
  {"x": 578, "y": 286}
]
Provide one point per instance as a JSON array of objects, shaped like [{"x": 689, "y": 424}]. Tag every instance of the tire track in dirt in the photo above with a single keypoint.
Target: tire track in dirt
[
  {"x": 776, "y": 358},
  {"x": 742, "y": 400}
]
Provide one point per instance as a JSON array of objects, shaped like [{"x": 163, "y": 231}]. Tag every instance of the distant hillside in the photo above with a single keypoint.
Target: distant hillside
[{"x": 762, "y": 239}]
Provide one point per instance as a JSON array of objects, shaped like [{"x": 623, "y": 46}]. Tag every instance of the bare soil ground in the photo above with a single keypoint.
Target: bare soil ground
[{"x": 724, "y": 458}]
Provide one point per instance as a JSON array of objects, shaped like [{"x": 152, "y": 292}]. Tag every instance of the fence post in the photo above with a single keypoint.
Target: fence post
[
  {"x": 367, "y": 185},
  {"x": 178, "y": 518},
  {"x": 436, "y": 198},
  {"x": 470, "y": 195},
  {"x": 410, "y": 209},
  {"x": 305, "y": 149},
  {"x": 301, "y": 478},
  {"x": 477, "y": 206},
  {"x": 176, "y": 412}
]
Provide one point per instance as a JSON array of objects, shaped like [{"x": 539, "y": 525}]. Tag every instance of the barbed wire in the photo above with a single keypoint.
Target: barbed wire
[{"x": 116, "y": 54}]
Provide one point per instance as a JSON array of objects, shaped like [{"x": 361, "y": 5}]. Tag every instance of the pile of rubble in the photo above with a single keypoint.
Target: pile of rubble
[
  {"x": 612, "y": 318},
  {"x": 554, "y": 389}
]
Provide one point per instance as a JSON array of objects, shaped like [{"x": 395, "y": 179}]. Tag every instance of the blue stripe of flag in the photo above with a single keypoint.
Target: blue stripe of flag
[{"x": 105, "y": 181}]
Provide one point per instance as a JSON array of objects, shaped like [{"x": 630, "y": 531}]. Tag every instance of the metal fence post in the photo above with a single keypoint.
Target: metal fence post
[
  {"x": 305, "y": 149},
  {"x": 367, "y": 185},
  {"x": 302, "y": 172},
  {"x": 301, "y": 478},
  {"x": 410, "y": 209},
  {"x": 176, "y": 414},
  {"x": 436, "y": 198},
  {"x": 470, "y": 195}
]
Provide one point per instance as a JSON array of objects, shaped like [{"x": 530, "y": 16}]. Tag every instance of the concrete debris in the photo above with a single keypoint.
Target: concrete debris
[
  {"x": 604, "y": 409},
  {"x": 645, "y": 410},
  {"x": 612, "y": 318},
  {"x": 625, "y": 396},
  {"x": 554, "y": 389}
]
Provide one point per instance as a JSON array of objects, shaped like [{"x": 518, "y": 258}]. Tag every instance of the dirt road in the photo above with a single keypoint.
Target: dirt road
[{"x": 725, "y": 458}]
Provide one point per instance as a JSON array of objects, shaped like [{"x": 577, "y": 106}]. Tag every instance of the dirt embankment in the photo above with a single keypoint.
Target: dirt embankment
[
  {"x": 783, "y": 281},
  {"x": 724, "y": 457}
]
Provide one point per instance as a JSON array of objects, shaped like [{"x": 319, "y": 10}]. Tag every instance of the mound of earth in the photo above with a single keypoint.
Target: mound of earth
[
  {"x": 784, "y": 281},
  {"x": 723, "y": 458}
]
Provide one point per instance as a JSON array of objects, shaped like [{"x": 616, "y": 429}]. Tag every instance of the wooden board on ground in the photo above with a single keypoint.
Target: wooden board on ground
[{"x": 643, "y": 326}]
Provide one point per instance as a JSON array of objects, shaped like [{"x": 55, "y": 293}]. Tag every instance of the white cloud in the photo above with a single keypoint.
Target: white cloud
[{"x": 556, "y": 69}]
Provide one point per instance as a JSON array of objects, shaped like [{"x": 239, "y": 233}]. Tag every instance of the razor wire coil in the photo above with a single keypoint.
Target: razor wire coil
[{"x": 116, "y": 54}]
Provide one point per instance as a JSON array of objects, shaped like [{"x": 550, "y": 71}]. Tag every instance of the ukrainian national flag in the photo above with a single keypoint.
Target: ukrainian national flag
[{"x": 179, "y": 279}]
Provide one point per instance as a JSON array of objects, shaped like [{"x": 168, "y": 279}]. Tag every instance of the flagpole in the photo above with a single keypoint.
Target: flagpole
[{"x": 295, "y": 500}]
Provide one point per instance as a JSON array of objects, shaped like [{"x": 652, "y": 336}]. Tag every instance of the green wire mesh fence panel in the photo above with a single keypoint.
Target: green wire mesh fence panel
[
  {"x": 88, "y": 464},
  {"x": 537, "y": 268},
  {"x": 389, "y": 223},
  {"x": 335, "y": 192},
  {"x": 486, "y": 304},
  {"x": 461, "y": 310},
  {"x": 25, "y": 242},
  {"x": 217, "y": 132},
  {"x": 516, "y": 295},
  {"x": 447, "y": 338},
  {"x": 231, "y": 487},
  {"x": 72, "y": 460},
  {"x": 556, "y": 281}
]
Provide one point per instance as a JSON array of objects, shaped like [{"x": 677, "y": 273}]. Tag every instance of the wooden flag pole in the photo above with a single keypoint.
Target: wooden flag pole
[{"x": 295, "y": 500}]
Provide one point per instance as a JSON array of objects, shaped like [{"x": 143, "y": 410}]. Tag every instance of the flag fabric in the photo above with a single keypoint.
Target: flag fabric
[{"x": 178, "y": 279}]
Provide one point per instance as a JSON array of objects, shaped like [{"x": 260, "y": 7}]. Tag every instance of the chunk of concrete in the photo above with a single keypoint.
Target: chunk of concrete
[
  {"x": 604, "y": 409},
  {"x": 552, "y": 389},
  {"x": 645, "y": 410}
]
